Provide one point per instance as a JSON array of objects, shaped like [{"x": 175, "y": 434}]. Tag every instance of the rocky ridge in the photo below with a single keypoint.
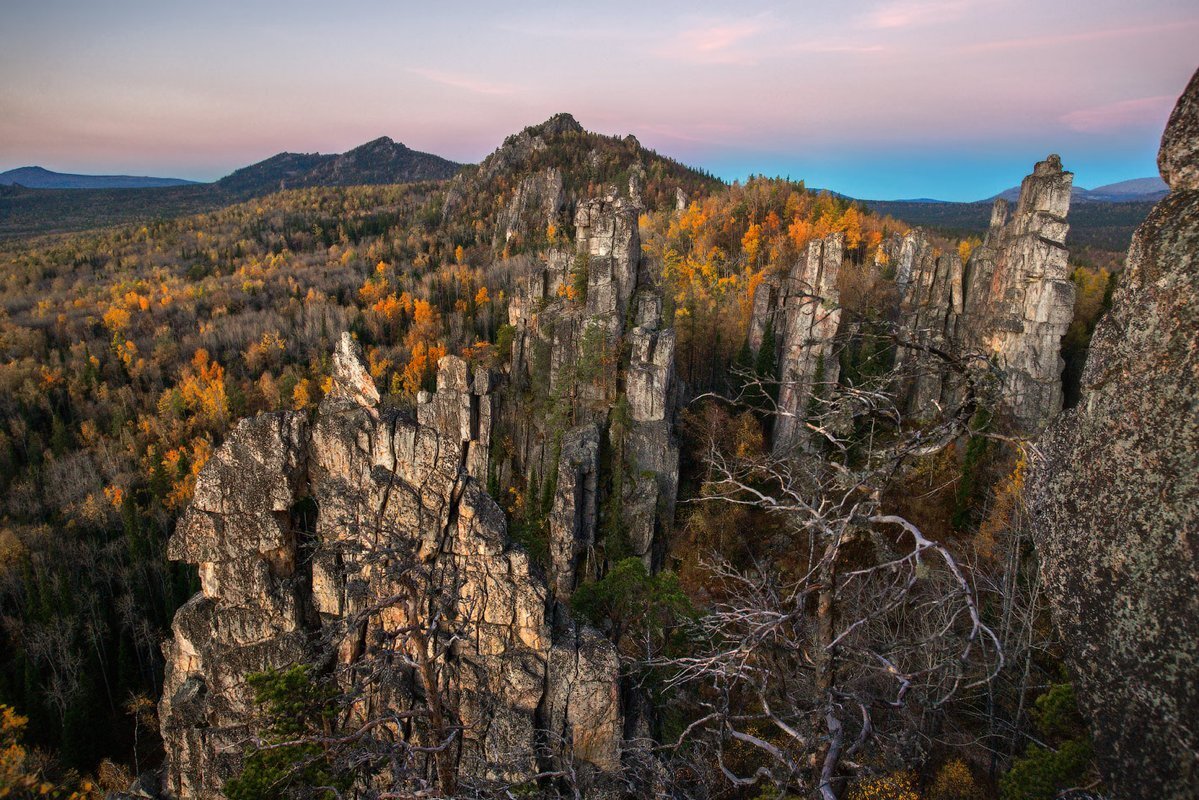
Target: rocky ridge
[
  {"x": 363, "y": 503},
  {"x": 539, "y": 178},
  {"x": 401, "y": 511}
]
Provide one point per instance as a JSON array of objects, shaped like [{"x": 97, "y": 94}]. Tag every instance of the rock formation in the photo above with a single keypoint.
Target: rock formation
[
  {"x": 646, "y": 440},
  {"x": 575, "y": 512},
  {"x": 578, "y": 312},
  {"x": 810, "y": 312},
  {"x": 1011, "y": 304},
  {"x": 533, "y": 208},
  {"x": 321, "y": 540},
  {"x": 1019, "y": 299},
  {"x": 931, "y": 304},
  {"x": 1115, "y": 500}
]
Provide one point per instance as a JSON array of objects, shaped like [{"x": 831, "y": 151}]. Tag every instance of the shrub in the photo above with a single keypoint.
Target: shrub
[{"x": 893, "y": 786}]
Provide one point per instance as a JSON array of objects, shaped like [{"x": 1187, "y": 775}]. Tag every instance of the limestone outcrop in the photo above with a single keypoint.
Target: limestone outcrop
[
  {"x": 575, "y": 512},
  {"x": 1114, "y": 493},
  {"x": 645, "y": 440},
  {"x": 534, "y": 206},
  {"x": 931, "y": 305},
  {"x": 322, "y": 540}
]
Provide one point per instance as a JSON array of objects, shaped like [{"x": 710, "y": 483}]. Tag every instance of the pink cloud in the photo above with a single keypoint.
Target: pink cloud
[
  {"x": 466, "y": 83},
  {"x": 910, "y": 13},
  {"x": 825, "y": 46},
  {"x": 714, "y": 43},
  {"x": 1141, "y": 112},
  {"x": 1053, "y": 40}
]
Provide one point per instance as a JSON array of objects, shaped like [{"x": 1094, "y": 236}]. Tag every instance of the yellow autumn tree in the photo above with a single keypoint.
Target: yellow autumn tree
[
  {"x": 751, "y": 242},
  {"x": 116, "y": 319},
  {"x": 894, "y": 786},
  {"x": 851, "y": 224},
  {"x": 185, "y": 463},
  {"x": 13, "y": 777},
  {"x": 426, "y": 324},
  {"x": 800, "y": 232},
  {"x": 420, "y": 367},
  {"x": 203, "y": 390}
]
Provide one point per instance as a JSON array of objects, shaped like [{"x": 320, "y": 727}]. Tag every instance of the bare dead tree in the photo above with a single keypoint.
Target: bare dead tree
[{"x": 808, "y": 673}]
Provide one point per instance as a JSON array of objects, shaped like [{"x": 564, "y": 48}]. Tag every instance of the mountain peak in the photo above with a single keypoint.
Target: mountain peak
[
  {"x": 383, "y": 142},
  {"x": 558, "y": 124},
  {"x": 378, "y": 161}
]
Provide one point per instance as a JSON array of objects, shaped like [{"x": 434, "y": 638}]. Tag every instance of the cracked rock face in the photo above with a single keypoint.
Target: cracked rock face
[
  {"x": 1115, "y": 501},
  {"x": 811, "y": 315},
  {"x": 610, "y": 242},
  {"x": 314, "y": 536},
  {"x": 931, "y": 304},
  {"x": 570, "y": 347},
  {"x": 575, "y": 513},
  {"x": 1019, "y": 298},
  {"x": 534, "y": 206}
]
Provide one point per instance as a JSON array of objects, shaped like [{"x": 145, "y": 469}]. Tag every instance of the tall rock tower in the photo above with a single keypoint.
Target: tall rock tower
[
  {"x": 1019, "y": 299},
  {"x": 811, "y": 315}
]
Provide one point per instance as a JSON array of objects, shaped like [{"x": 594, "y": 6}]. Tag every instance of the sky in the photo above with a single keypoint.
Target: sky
[{"x": 879, "y": 99}]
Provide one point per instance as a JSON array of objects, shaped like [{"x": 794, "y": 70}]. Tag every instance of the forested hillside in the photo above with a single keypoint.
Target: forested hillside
[
  {"x": 26, "y": 211},
  {"x": 128, "y": 354}
]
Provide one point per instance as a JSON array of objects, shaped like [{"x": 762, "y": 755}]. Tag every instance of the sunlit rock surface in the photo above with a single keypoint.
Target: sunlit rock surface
[{"x": 311, "y": 535}]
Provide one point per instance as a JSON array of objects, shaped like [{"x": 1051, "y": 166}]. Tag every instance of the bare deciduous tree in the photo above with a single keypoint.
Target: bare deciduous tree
[{"x": 819, "y": 667}]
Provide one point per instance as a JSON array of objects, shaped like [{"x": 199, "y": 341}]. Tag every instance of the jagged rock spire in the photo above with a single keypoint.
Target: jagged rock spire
[
  {"x": 351, "y": 380},
  {"x": 811, "y": 316},
  {"x": 1019, "y": 299},
  {"x": 316, "y": 537}
]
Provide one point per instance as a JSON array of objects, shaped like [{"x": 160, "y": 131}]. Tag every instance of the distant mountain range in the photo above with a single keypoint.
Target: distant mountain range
[
  {"x": 1101, "y": 219},
  {"x": 34, "y": 200},
  {"x": 42, "y": 178},
  {"x": 376, "y": 162},
  {"x": 1137, "y": 190}
]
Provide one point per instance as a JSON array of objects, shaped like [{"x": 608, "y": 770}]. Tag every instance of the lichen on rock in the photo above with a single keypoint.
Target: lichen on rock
[{"x": 1114, "y": 492}]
